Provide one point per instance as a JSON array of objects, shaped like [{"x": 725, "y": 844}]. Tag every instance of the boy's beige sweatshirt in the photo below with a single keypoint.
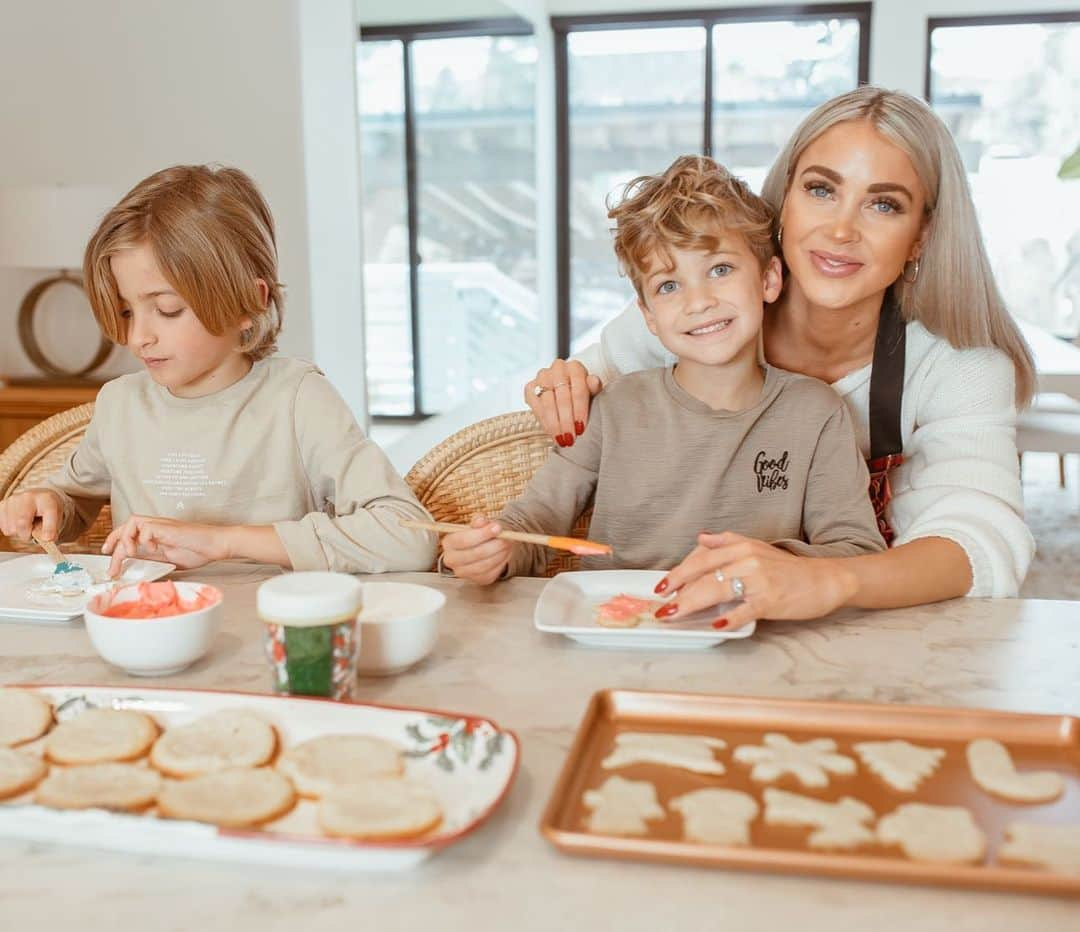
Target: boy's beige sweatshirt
[
  {"x": 279, "y": 447},
  {"x": 664, "y": 466}
]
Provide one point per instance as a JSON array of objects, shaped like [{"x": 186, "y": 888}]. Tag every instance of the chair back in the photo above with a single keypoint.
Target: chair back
[
  {"x": 481, "y": 468},
  {"x": 39, "y": 453}
]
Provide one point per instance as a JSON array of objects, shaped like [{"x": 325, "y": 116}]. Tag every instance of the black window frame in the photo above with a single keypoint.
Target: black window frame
[
  {"x": 562, "y": 26},
  {"x": 407, "y": 34}
]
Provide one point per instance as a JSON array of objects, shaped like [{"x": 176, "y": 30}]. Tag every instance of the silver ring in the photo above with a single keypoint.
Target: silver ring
[
  {"x": 738, "y": 588},
  {"x": 720, "y": 577},
  {"x": 538, "y": 390}
]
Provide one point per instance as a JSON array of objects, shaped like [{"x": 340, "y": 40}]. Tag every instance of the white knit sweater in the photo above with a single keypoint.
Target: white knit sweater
[{"x": 960, "y": 478}]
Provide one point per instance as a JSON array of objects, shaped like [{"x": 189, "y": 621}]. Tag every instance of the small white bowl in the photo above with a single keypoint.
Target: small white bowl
[
  {"x": 153, "y": 646},
  {"x": 399, "y": 626}
]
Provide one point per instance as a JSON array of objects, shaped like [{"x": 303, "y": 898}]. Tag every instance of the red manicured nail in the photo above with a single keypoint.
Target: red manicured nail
[
  {"x": 569, "y": 440},
  {"x": 720, "y": 623},
  {"x": 661, "y": 586},
  {"x": 579, "y": 427},
  {"x": 561, "y": 440},
  {"x": 666, "y": 611}
]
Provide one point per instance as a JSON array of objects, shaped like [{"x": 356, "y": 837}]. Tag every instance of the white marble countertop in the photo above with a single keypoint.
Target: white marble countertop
[{"x": 1007, "y": 654}]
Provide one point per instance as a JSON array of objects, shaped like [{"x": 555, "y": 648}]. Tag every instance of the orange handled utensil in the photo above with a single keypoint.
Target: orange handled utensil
[{"x": 584, "y": 548}]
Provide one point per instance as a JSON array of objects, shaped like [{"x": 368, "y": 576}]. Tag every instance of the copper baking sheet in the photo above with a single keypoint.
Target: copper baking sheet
[{"x": 1042, "y": 742}]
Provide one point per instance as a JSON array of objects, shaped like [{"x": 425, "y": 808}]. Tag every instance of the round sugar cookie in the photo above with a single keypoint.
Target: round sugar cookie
[
  {"x": 238, "y": 798},
  {"x": 100, "y": 735},
  {"x": 220, "y": 741},
  {"x": 121, "y": 787},
  {"x": 380, "y": 809},
  {"x": 322, "y": 764},
  {"x": 19, "y": 772},
  {"x": 24, "y": 716}
]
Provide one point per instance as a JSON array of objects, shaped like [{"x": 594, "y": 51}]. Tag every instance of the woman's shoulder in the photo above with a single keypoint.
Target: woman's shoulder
[
  {"x": 950, "y": 378},
  {"x": 929, "y": 349}
]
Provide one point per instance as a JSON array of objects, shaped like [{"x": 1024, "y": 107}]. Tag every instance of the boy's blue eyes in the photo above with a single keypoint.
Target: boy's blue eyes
[{"x": 717, "y": 271}]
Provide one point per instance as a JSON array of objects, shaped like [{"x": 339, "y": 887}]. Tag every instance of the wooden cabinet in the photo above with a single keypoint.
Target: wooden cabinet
[{"x": 25, "y": 402}]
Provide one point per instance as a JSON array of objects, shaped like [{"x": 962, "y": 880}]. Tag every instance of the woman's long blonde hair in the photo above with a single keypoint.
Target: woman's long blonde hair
[{"x": 954, "y": 295}]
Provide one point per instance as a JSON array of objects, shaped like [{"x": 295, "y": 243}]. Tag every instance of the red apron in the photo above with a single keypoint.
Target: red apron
[{"x": 886, "y": 395}]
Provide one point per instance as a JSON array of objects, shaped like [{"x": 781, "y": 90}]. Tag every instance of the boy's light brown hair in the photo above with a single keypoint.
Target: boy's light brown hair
[
  {"x": 212, "y": 235},
  {"x": 692, "y": 205}
]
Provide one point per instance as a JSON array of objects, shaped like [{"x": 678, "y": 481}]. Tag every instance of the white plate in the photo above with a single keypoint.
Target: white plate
[
  {"x": 16, "y": 575},
  {"x": 568, "y": 603},
  {"x": 470, "y": 764}
]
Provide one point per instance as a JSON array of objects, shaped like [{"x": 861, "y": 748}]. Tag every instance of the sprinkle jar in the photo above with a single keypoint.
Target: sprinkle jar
[{"x": 312, "y": 638}]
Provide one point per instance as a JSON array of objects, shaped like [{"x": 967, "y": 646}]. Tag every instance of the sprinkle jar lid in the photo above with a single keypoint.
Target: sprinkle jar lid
[{"x": 309, "y": 599}]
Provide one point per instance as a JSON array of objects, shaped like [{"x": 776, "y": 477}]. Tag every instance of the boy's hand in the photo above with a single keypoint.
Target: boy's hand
[
  {"x": 186, "y": 545},
  {"x": 563, "y": 405},
  {"x": 19, "y": 512},
  {"x": 477, "y": 555}
]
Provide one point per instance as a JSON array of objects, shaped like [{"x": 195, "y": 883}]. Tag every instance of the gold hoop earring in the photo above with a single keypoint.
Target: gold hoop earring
[
  {"x": 780, "y": 237},
  {"x": 914, "y": 275}
]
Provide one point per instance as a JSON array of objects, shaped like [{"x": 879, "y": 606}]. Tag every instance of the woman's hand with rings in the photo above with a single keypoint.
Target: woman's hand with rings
[
  {"x": 771, "y": 582},
  {"x": 560, "y": 396}
]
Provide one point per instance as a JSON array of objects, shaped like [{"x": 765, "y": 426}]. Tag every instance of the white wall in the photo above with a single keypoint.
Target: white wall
[{"x": 107, "y": 93}]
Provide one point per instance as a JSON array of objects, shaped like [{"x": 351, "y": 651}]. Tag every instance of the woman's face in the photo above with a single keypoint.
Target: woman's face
[{"x": 853, "y": 216}]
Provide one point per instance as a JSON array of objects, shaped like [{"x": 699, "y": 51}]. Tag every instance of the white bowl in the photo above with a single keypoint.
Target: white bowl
[
  {"x": 399, "y": 625},
  {"x": 153, "y": 646}
]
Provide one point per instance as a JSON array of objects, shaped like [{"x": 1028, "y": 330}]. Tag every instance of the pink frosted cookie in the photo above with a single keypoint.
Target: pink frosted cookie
[{"x": 624, "y": 611}]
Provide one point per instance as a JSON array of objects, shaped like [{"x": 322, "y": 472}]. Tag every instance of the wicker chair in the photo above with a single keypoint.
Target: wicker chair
[
  {"x": 35, "y": 456},
  {"x": 481, "y": 468}
]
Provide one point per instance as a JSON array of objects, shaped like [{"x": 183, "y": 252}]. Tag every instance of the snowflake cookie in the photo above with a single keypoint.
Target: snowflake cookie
[{"x": 810, "y": 761}]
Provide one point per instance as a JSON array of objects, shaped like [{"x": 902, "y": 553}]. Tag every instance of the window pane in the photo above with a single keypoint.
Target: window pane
[
  {"x": 386, "y": 233},
  {"x": 1009, "y": 95},
  {"x": 767, "y": 77},
  {"x": 636, "y": 102},
  {"x": 479, "y": 319}
]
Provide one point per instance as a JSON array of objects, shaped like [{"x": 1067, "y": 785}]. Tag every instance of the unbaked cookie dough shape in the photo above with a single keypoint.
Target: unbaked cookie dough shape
[
  {"x": 687, "y": 752},
  {"x": 993, "y": 769},
  {"x": 841, "y": 824},
  {"x": 810, "y": 762},
  {"x": 946, "y": 834},
  {"x": 901, "y": 764},
  {"x": 716, "y": 816},
  {"x": 1052, "y": 846},
  {"x": 621, "y": 807}
]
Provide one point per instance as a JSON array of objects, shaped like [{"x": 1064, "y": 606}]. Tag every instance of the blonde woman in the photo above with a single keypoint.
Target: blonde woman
[{"x": 889, "y": 298}]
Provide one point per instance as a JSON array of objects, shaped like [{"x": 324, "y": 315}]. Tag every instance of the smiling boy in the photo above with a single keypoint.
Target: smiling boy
[{"x": 720, "y": 441}]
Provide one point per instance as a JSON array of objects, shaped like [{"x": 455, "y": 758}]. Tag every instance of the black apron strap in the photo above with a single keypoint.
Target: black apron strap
[{"x": 887, "y": 382}]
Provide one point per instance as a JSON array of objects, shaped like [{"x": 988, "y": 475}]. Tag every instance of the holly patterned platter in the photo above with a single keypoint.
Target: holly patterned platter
[{"x": 470, "y": 763}]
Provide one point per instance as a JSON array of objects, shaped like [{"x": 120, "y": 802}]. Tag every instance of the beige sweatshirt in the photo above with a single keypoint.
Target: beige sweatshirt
[
  {"x": 278, "y": 447},
  {"x": 664, "y": 466}
]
